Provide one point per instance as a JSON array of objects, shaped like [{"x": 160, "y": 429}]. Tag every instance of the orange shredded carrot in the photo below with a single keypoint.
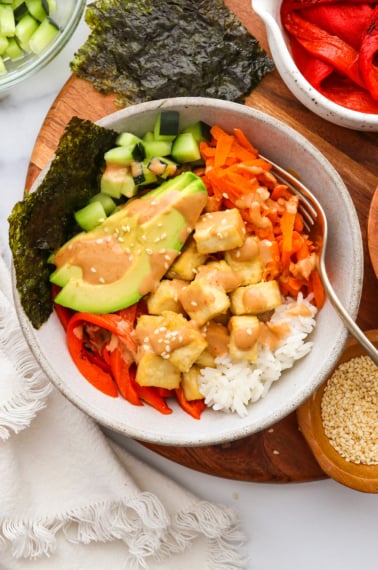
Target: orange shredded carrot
[{"x": 236, "y": 176}]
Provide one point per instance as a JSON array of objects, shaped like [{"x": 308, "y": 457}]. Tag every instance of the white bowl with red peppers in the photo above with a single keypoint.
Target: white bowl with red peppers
[
  {"x": 325, "y": 339},
  {"x": 311, "y": 76}
]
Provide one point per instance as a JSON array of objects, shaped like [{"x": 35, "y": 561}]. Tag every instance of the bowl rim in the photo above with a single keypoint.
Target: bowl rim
[
  {"x": 295, "y": 81},
  {"x": 36, "y": 63},
  {"x": 240, "y": 429}
]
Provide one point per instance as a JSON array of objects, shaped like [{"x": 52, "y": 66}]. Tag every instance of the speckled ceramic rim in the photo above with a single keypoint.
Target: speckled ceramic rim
[
  {"x": 35, "y": 63},
  {"x": 269, "y": 10},
  {"x": 329, "y": 336}
]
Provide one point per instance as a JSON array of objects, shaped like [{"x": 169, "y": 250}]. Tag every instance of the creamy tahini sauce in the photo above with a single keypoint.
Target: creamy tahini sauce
[
  {"x": 217, "y": 337},
  {"x": 102, "y": 259},
  {"x": 245, "y": 338},
  {"x": 248, "y": 251},
  {"x": 160, "y": 262}
]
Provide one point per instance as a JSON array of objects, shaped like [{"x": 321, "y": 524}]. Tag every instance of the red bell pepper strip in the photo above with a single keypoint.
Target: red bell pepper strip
[
  {"x": 150, "y": 395},
  {"x": 192, "y": 407},
  {"x": 92, "y": 366},
  {"x": 94, "y": 373},
  {"x": 330, "y": 49},
  {"x": 347, "y": 20},
  {"x": 369, "y": 55},
  {"x": 123, "y": 377}
]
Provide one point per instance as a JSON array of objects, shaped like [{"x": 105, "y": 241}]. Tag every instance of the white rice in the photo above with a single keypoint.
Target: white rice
[{"x": 234, "y": 384}]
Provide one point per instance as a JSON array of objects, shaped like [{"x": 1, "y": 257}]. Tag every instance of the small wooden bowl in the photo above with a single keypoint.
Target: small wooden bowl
[{"x": 357, "y": 476}]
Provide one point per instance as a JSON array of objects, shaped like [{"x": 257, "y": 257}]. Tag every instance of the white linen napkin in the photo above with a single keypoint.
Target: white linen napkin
[{"x": 71, "y": 499}]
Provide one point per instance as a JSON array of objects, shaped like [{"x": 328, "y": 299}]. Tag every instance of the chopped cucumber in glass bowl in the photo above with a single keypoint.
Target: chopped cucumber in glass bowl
[{"x": 32, "y": 33}]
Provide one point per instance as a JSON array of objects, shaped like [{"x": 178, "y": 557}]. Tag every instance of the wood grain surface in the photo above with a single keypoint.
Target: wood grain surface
[
  {"x": 279, "y": 454},
  {"x": 373, "y": 232}
]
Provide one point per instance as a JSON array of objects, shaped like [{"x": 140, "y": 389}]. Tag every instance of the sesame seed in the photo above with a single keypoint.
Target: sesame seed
[
  {"x": 101, "y": 280},
  {"x": 349, "y": 410},
  {"x": 276, "y": 452},
  {"x": 93, "y": 270},
  {"x": 99, "y": 241},
  {"x": 149, "y": 251}
]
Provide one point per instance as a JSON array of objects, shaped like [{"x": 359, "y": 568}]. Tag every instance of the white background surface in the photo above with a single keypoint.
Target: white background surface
[{"x": 303, "y": 526}]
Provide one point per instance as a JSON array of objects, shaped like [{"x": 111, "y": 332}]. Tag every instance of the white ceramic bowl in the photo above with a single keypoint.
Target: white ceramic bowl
[
  {"x": 269, "y": 12},
  {"x": 345, "y": 257},
  {"x": 67, "y": 16}
]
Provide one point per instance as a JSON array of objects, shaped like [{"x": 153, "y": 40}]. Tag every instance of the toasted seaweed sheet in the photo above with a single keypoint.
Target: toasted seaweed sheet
[
  {"x": 43, "y": 220},
  {"x": 150, "y": 49}
]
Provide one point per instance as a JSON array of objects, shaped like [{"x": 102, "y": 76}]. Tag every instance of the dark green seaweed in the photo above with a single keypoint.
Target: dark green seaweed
[
  {"x": 43, "y": 220},
  {"x": 151, "y": 49}
]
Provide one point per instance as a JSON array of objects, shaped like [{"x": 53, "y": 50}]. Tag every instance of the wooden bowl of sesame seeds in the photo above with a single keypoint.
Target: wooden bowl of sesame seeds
[{"x": 340, "y": 420}]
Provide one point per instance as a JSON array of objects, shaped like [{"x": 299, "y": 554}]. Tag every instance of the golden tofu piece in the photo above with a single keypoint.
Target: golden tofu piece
[
  {"x": 153, "y": 370},
  {"x": 166, "y": 297},
  {"x": 244, "y": 334},
  {"x": 203, "y": 301},
  {"x": 185, "y": 356},
  {"x": 219, "y": 231},
  {"x": 205, "y": 359},
  {"x": 220, "y": 274},
  {"x": 171, "y": 336},
  {"x": 255, "y": 299},
  {"x": 246, "y": 261},
  {"x": 185, "y": 266},
  {"x": 190, "y": 384}
]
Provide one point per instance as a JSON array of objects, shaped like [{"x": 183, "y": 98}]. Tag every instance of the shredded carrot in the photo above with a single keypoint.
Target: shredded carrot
[{"x": 236, "y": 176}]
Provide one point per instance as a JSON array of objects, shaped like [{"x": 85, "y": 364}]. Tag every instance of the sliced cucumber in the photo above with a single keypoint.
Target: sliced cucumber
[
  {"x": 121, "y": 155},
  {"x": 116, "y": 181},
  {"x": 166, "y": 126},
  {"x": 7, "y": 21},
  {"x": 14, "y": 51},
  {"x": 157, "y": 148},
  {"x": 162, "y": 166},
  {"x": 200, "y": 131},
  {"x": 25, "y": 28},
  {"x": 127, "y": 139},
  {"x": 107, "y": 202},
  {"x": 185, "y": 148},
  {"x": 36, "y": 9},
  {"x": 141, "y": 174},
  {"x": 4, "y": 42},
  {"x": 43, "y": 36},
  {"x": 90, "y": 216}
]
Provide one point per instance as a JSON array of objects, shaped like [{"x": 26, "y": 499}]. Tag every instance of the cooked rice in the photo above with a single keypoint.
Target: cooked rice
[{"x": 234, "y": 384}]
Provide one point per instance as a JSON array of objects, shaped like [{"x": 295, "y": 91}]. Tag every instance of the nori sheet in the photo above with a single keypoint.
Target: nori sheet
[
  {"x": 151, "y": 49},
  {"x": 44, "y": 220}
]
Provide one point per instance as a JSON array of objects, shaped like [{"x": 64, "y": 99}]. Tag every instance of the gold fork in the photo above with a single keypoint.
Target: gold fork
[{"x": 314, "y": 217}]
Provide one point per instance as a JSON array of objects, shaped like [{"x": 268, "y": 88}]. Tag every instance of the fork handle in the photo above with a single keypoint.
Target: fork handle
[{"x": 352, "y": 327}]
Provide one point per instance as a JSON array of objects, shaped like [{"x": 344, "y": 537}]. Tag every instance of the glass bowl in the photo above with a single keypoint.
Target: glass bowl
[{"x": 67, "y": 16}]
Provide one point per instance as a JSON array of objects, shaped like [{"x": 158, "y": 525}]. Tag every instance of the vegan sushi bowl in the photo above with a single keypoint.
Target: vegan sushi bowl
[{"x": 184, "y": 286}]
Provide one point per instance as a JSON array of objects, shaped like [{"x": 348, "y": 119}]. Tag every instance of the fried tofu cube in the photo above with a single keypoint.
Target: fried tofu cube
[
  {"x": 202, "y": 301},
  {"x": 185, "y": 266},
  {"x": 153, "y": 370},
  {"x": 190, "y": 384},
  {"x": 219, "y": 231},
  {"x": 185, "y": 356},
  {"x": 171, "y": 336},
  {"x": 205, "y": 359},
  {"x": 246, "y": 261},
  {"x": 166, "y": 297},
  {"x": 244, "y": 334},
  {"x": 220, "y": 274},
  {"x": 255, "y": 299}
]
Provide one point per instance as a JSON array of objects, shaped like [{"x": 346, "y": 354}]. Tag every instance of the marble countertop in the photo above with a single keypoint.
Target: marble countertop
[{"x": 303, "y": 526}]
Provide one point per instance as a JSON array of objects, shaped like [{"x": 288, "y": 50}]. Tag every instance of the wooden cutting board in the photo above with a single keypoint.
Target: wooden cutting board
[{"x": 279, "y": 454}]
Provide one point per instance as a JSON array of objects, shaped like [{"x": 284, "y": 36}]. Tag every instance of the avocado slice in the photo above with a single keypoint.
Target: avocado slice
[{"x": 114, "y": 265}]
